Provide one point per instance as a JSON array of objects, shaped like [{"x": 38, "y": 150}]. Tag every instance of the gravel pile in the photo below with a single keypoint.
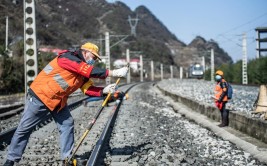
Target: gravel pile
[
  {"x": 201, "y": 91},
  {"x": 149, "y": 132}
]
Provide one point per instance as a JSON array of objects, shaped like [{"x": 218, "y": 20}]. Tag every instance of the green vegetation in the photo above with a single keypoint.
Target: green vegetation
[
  {"x": 257, "y": 71},
  {"x": 11, "y": 71}
]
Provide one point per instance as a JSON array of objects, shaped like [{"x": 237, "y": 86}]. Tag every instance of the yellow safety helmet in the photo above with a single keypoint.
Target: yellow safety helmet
[
  {"x": 92, "y": 48},
  {"x": 219, "y": 72}
]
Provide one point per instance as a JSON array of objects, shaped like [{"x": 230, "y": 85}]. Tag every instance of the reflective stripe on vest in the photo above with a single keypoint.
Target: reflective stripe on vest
[
  {"x": 61, "y": 82},
  {"x": 48, "y": 69}
]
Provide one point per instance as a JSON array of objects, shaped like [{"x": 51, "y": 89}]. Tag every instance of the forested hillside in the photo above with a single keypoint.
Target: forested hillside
[{"x": 64, "y": 24}]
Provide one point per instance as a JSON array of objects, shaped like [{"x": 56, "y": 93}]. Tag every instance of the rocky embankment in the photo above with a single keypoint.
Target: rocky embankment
[{"x": 243, "y": 99}]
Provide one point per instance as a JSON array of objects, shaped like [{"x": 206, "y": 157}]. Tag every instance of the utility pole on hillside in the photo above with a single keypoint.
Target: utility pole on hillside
[{"x": 133, "y": 23}]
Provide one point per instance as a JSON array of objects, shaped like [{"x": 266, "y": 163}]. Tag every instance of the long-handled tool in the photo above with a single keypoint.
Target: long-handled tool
[
  {"x": 74, "y": 162},
  {"x": 69, "y": 161}
]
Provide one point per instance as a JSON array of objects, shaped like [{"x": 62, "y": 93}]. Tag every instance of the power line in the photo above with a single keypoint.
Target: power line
[
  {"x": 229, "y": 39},
  {"x": 239, "y": 26},
  {"x": 233, "y": 36}
]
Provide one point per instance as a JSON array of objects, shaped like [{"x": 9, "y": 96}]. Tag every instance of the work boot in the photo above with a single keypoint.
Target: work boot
[
  {"x": 222, "y": 125},
  {"x": 9, "y": 163}
]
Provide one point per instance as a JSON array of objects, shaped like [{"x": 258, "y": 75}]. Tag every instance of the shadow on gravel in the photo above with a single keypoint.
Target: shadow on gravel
[{"x": 133, "y": 151}]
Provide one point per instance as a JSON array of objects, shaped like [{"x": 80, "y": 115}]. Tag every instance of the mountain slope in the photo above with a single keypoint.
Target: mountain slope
[{"x": 63, "y": 24}]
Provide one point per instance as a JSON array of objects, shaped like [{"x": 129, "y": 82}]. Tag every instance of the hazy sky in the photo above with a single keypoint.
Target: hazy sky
[{"x": 225, "y": 21}]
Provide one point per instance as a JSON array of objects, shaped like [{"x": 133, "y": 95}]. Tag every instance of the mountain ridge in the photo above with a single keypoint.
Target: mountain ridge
[{"x": 63, "y": 24}]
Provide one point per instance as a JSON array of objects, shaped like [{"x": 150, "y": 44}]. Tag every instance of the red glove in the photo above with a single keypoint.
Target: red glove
[{"x": 219, "y": 104}]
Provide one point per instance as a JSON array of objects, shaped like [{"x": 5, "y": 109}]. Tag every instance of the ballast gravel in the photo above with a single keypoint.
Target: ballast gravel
[{"x": 149, "y": 132}]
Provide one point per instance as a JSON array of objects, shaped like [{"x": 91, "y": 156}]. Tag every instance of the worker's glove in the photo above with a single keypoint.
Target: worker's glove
[
  {"x": 219, "y": 104},
  {"x": 122, "y": 72},
  {"x": 111, "y": 88}
]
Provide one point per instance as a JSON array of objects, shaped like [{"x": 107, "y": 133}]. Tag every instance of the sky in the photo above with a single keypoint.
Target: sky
[{"x": 224, "y": 21}]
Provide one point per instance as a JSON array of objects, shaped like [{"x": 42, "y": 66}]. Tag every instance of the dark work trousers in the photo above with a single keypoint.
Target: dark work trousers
[
  {"x": 34, "y": 110},
  {"x": 224, "y": 115}
]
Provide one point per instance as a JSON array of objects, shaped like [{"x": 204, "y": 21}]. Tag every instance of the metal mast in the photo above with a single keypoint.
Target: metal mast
[
  {"x": 152, "y": 70},
  {"x": 133, "y": 23},
  {"x": 107, "y": 55},
  {"x": 212, "y": 65},
  {"x": 30, "y": 51},
  {"x": 244, "y": 61},
  {"x": 141, "y": 69},
  {"x": 6, "y": 33},
  {"x": 128, "y": 61}
]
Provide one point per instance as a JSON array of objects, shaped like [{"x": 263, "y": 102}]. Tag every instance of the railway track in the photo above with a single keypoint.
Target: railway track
[
  {"x": 42, "y": 150},
  {"x": 147, "y": 131},
  {"x": 7, "y": 134}
]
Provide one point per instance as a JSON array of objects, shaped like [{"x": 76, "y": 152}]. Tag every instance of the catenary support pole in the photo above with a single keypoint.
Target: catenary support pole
[
  {"x": 107, "y": 55},
  {"x": 161, "y": 71},
  {"x": 212, "y": 65},
  {"x": 152, "y": 70},
  {"x": 171, "y": 71},
  {"x": 128, "y": 61},
  {"x": 141, "y": 69},
  {"x": 181, "y": 72},
  {"x": 244, "y": 61}
]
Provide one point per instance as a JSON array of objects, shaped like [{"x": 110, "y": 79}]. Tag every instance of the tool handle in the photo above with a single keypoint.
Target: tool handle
[
  {"x": 91, "y": 124},
  {"x": 109, "y": 94}
]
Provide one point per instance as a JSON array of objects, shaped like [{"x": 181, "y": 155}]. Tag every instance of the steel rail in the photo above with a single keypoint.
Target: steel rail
[
  {"x": 6, "y": 136},
  {"x": 106, "y": 132}
]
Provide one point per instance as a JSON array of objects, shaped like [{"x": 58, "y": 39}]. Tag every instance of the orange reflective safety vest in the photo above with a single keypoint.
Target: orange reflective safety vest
[
  {"x": 54, "y": 84},
  {"x": 219, "y": 91}
]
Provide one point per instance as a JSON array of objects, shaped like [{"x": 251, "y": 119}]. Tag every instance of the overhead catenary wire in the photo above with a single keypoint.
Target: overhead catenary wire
[
  {"x": 239, "y": 26},
  {"x": 233, "y": 38}
]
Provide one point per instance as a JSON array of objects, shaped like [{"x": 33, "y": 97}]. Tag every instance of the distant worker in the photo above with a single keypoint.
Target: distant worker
[
  {"x": 221, "y": 98},
  {"x": 49, "y": 92}
]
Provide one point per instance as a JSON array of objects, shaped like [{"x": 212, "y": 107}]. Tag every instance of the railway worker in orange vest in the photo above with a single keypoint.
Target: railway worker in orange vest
[
  {"x": 221, "y": 97},
  {"x": 49, "y": 92}
]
